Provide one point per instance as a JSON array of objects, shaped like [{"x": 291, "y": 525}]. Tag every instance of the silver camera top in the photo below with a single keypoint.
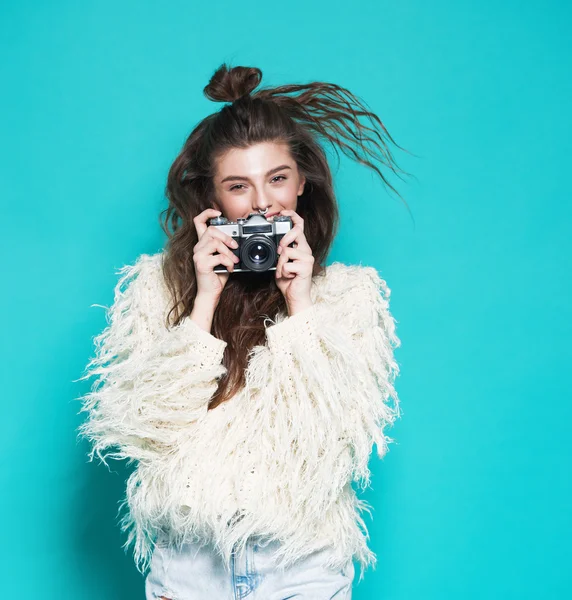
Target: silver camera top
[{"x": 253, "y": 218}]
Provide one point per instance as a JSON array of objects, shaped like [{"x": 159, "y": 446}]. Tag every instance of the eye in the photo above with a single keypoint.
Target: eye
[{"x": 238, "y": 186}]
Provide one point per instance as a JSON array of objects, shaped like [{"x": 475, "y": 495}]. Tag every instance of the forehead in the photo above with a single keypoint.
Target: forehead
[{"x": 256, "y": 159}]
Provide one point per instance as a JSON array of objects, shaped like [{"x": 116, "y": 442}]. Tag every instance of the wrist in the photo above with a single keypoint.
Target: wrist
[
  {"x": 203, "y": 311},
  {"x": 206, "y": 301},
  {"x": 299, "y": 306}
]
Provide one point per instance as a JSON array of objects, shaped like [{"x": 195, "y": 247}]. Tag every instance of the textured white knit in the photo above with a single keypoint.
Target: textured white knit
[{"x": 280, "y": 457}]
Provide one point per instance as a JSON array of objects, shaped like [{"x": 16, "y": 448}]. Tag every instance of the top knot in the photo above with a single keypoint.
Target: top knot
[{"x": 229, "y": 84}]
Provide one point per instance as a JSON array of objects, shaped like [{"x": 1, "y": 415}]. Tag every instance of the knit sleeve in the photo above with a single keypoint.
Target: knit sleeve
[
  {"x": 339, "y": 356},
  {"x": 151, "y": 381}
]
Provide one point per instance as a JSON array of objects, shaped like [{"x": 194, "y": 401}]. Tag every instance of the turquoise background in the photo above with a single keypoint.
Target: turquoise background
[{"x": 473, "y": 500}]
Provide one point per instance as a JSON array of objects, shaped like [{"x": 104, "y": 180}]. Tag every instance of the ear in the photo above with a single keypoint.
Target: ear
[{"x": 301, "y": 186}]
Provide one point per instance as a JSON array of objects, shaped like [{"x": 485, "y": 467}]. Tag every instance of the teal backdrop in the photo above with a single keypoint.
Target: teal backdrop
[{"x": 473, "y": 499}]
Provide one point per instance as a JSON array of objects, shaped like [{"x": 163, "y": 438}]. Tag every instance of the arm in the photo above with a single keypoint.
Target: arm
[
  {"x": 338, "y": 357},
  {"x": 151, "y": 382}
]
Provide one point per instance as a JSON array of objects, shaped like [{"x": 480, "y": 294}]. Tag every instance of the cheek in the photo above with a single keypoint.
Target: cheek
[
  {"x": 286, "y": 195},
  {"x": 236, "y": 206}
]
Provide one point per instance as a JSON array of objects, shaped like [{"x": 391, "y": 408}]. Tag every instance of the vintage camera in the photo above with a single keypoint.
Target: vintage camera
[{"x": 257, "y": 240}]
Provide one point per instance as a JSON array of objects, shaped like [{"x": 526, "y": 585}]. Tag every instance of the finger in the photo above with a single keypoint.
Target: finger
[
  {"x": 297, "y": 221},
  {"x": 294, "y": 235},
  {"x": 296, "y": 268},
  {"x": 295, "y": 254},
  {"x": 283, "y": 258},
  {"x": 296, "y": 218},
  {"x": 214, "y": 232},
  {"x": 212, "y": 245},
  {"x": 200, "y": 220},
  {"x": 208, "y": 263}
]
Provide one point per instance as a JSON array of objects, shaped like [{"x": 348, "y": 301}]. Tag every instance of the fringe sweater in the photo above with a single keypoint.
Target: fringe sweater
[{"x": 277, "y": 460}]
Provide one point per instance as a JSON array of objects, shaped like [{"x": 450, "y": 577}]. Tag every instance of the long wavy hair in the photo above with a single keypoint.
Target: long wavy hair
[{"x": 301, "y": 116}]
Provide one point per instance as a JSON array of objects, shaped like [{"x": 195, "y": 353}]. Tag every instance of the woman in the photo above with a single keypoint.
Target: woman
[{"x": 247, "y": 432}]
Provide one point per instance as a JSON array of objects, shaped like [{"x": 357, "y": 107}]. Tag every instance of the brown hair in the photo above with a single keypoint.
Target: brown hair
[{"x": 299, "y": 116}]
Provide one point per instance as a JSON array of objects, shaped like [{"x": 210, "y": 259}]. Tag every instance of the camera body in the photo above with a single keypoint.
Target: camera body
[{"x": 257, "y": 239}]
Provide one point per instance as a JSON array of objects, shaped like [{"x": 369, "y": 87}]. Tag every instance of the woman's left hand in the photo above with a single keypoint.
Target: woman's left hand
[{"x": 294, "y": 279}]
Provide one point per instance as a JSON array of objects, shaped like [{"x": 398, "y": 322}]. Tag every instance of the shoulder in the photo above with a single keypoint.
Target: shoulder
[
  {"x": 340, "y": 279},
  {"x": 145, "y": 266},
  {"x": 141, "y": 271},
  {"x": 141, "y": 281},
  {"x": 357, "y": 294}
]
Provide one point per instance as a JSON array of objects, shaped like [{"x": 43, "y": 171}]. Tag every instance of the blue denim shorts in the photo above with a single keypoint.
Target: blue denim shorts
[{"x": 197, "y": 571}]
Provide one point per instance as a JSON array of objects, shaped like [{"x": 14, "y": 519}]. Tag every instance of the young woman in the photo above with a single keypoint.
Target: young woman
[{"x": 250, "y": 400}]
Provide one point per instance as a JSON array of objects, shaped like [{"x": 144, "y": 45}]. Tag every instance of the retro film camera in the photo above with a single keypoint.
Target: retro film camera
[{"x": 257, "y": 240}]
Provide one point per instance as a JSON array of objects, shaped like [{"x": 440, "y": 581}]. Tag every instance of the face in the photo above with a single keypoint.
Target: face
[{"x": 261, "y": 176}]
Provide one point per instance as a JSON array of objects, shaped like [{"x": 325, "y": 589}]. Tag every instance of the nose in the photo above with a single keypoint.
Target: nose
[{"x": 261, "y": 203}]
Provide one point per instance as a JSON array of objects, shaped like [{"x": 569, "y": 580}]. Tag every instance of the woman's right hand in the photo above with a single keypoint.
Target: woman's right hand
[{"x": 211, "y": 240}]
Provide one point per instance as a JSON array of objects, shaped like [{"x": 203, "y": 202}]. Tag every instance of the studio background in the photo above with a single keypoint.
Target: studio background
[{"x": 473, "y": 499}]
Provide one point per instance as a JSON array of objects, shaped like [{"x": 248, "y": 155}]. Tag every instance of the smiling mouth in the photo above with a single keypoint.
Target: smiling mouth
[{"x": 268, "y": 216}]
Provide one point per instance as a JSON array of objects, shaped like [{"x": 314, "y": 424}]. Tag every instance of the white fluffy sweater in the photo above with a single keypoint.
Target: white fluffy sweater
[{"x": 280, "y": 457}]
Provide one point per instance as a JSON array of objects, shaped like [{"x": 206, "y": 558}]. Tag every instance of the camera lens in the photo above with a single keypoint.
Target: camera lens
[{"x": 258, "y": 253}]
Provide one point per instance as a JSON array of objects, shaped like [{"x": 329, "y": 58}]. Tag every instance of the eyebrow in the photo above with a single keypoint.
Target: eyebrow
[{"x": 238, "y": 178}]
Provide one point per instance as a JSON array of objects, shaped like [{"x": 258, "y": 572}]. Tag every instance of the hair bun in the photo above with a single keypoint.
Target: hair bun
[{"x": 229, "y": 84}]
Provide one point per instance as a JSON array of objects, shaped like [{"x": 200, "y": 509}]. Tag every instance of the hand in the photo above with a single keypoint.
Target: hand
[
  {"x": 294, "y": 279},
  {"x": 211, "y": 239}
]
